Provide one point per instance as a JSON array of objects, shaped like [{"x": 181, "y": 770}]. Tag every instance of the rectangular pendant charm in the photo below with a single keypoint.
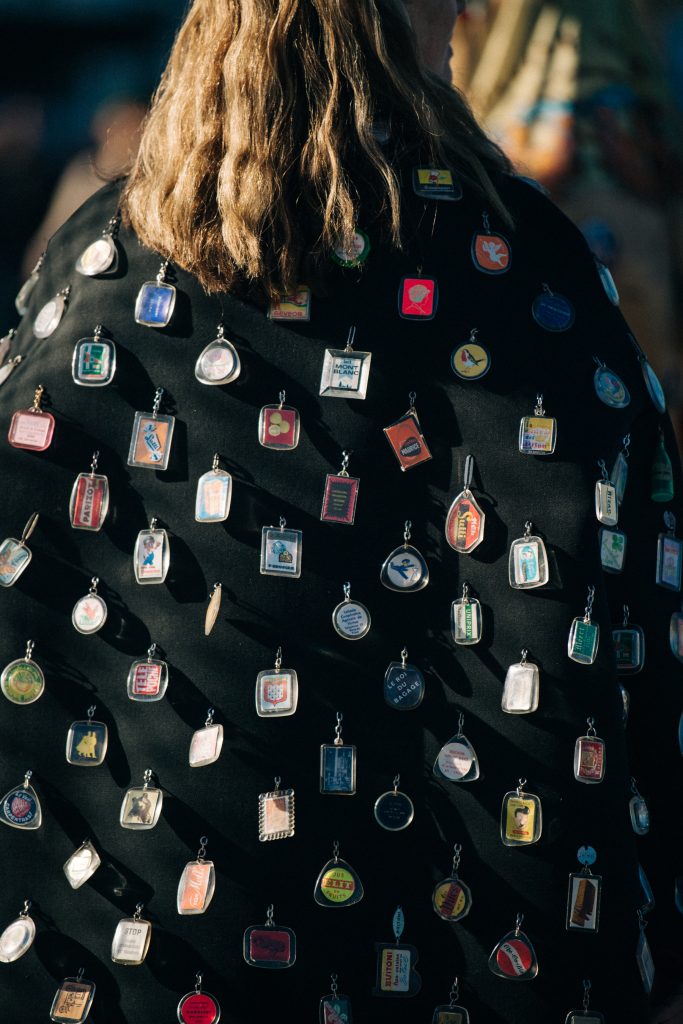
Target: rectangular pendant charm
[
  {"x": 14, "y": 557},
  {"x": 31, "y": 430},
  {"x": 155, "y": 304},
  {"x": 281, "y": 552},
  {"x": 276, "y": 815},
  {"x": 407, "y": 441},
  {"x": 273, "y": 947},
  {"x": 86, "y": 742},
  {"x": 89, "y": 502},
  {"x": 589, "y": 759},
  {"x": 152, "y": 556},
  {"x": 669, "y": 561},
  {"x": 589, "y": 1017},
  {"x": 582, "y": 645},
  {"x": 339, "y": 499},
  {"x": 131, "y": 941},
  {"x": 521, "y": 821},
  {"x": 619, "y": 476},
  {"x": 466, "y": 621},
  {"x": 345, "y": 373},
  {"x": 93, "y": 364},
  {"x": 583, "y": 902},
  {"x": 612, "y": 549},
  {"x": 435, "y": 183},
  {"x": 277, "y": 692},
  {"x": 150, "y": 443},
  {"x": 71, "y": 1004},
  {"x": 206, "y": 745},
  {"x": 141, "y": 807},
  {"x": 214, "y": 494},
  {"x": 147, "y": 680},
  {"x": 338, "y": 769},
  {"x": 196, "y": 887},
  {"x": 450, "y": 1015},
  {"x": 396, "y": 974},
  {"x": 82, "y": 865},
  {"x": 537, "y": 435},
  {"x": 528, "y": 563},
  {"x": 646, "y": 964},
  {"x": 606, "y": 505},
  {"x": 520, "y": 692},
  {"x": 296, "y": 306},
  {"x": 629, "y": 648},
  {"x": 418, "y": 298}
]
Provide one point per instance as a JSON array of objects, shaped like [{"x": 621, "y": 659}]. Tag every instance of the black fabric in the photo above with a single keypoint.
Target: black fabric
[{"x": 261, "y": 612}]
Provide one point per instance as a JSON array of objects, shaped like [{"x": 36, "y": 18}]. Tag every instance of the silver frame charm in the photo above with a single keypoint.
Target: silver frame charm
[
  {"x": 360, "y": 626},
  {"x": 90, "y": 758},
  {"x": 159, "y": 463},
  {"x": 606, "y": 503},
  {"x": 590, "y": 756},
  {"x": 277, "y": 804},
  {"x": 150, "y": 819},
  {"x": 584, "y": 635},
  {"x": 222, "y": 343},
  {"x": 36, "y": 680},
  {"x": 411, "y": 561},
  {"x": 160, "y": 285},
  {"x": 538, "y": 433},
  {"x": 101, "y": 256},
  {"x": 77, "y": 360},
  {"x": 399, "y": 805},
  {"x": 469, "y": 608},
  {"x": 291, "y": 542},
  {"x": 141, "y": 937},
  {"x": 145, "y": 695},
  {"x": 342, "y": 767},
  {"x": 521, "y": 679},
  {"x": 341, "y": 363},
  {"x": 217, "y": 485},
  {"x": 518, "y": 801},
  {"x": 270, "y": 677}
]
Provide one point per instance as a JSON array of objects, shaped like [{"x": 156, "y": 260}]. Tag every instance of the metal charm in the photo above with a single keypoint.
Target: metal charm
[
  {"x": 583, "y": 898},
  {"x": 345, "y": 372},
  {"x": 32, "y": 428},
  {"x": 528, "y": 561},
  {"x": 7, "y": 368},
  {"x": 619, "y": 474},
  {"x": 356, "y": 254},
  {"x": 335, "y": 1008},
  {"x": 406, "y": 438},
  {"x": 93, "y": 363},
  {"x": 612, "y": 549},
  {"x": 152, "y": 555},
  {"x": 150, "y": 443},
  {"x": 277, "y": 690},
  {"x": 471, "y": 360},
  {"x": 584, "y": 635},
  {"x": 22, "y": 681},
  {"x": 338, "y": 885},
  {"x": 281, "y": 551},
  {"x": 197, "y": 883},
  {"x": 521, "y": 689},
  {"x": 218, "y": 363},
  {"x": 147, "y": 680},
  {"x": 295, "y": 306},
  {"x": 451, "y": 1012},
  {"x": 131, "y": 939},
  {"x": 490, "y": 252},
  {"x": 102, "y": 255},
  {"x": 609, "y": 387},
  {"x": 465, "y": 520},
  {"x": 646, "y": 965},
  {"x": 213, "y": 608},
  {"x": 404, "y": 685},
  {"x": 396, "y": 973},
  {"x": 279, "y": 426},
  {"x": 20, "y": 808},
  {"x": 452, "y": 899},
  {"x": 466, "y": 618},
  {"x": 214, "y": 494},
  {"x": 436, "y": 183},
  {"x": 669, "y": 555},
  {"x": 629, "y": 646},
  {"x": 351, "y": 619},
  {"x": 405, "y": 569},
  {"x": 86, "y": 741},
  {"x": 521, "y": 820},
  {"x": 17, "y": 938},
  {"x": 394, "y": 811},
  {"x": 338, "y": 765},
  {"x": 23, "y": 296},
  {"x": 89, "y": 502},
  {"x": 418, "y": 297},
  {"x": 340, "y": 496},
  {"x": 73, "y": 1000},
  {"x": 141, "y": 806},
  {"x": 90, "y": 612},
  {"x": 585, "y": 1016},
  {"x": 50, "y": 315},
  {"x": 457, "y": 760},
  {"x": 639, "y": 812},
  {"x": 156, "y": 300},
  {"x": 276, "y": 814},
  {"x": 269, "y": 945},
  {"x": 82, "y": 864},
  {"x": 606, "y": 504},
  {"x": 538, "y": 433},
  {"x": 551, "y": 311},
  {"x": 206, "y": 743},
  {"x": 514, "y": 958},
  {"x": 15, "y": 555},
  {"x": 589, "y": 756},
  {"x": 199, "y": 1007}
]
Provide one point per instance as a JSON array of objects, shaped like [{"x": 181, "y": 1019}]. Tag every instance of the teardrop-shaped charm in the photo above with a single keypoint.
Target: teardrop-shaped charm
[
  {"x": 219, "y": 363},
  {"x": 465, "y": 520},
  {"x": 338, "y": 885},
  {"x": 405, "y": 570},
  {"x": 514, "y": 958},
  {"x": 457, "y": 760},
  {"x": 404, "y": 685},
  {"x": 20, "y": 808}
]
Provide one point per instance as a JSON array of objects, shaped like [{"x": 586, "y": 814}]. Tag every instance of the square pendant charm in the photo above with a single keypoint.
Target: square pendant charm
[
  {"x": 279, "y": 427},
  {"x": 273, "y": 947},
  {"x": 150, "y": 443},
  {"x": 669, "y": 561},
  {"x": 131, "y": 941},
  {"x": 206, "y": 745},
  {"x": 141, "y": 807},
  {"x": 521, "y": 821},
  {"x": 589, "y": 1017},
  {"x": 396, "y": 974},
  {"x": 339, "y": 499},
  {"x": 435, "y": 183},
  {"x": 345, "y": 373},
  {"x": 214, "y": 495},
  {"x": 71, "y": 1004},
  {"x": 277, "y": 692},
  {"x": 583, "y": 902},
  {"x": 589, "y": 759},
  {"x": 338, "y": 769},
  {"x": 147, "y": 680},
  {"x": 281, "y": 552},
  {"x": 196, "y": 887},
  {"x": 450, "y": 1015},
  {"x": 155, "y": 304},
  {"x": 520, "y": 692},
  {"x": 276, "y": 815},
  {"x": 14, "y": 558},
  {"x": 86, "y": 742},
  {"x": 537, "y": 435},
  {"x": 93, "y": 364},
  {"x": 528, "y": 563},
  {"x": 418, "y": 298},
  {"x": 612, "y": 549},
  {"x": 31, "y": 430},
  {"x": 296, "y": 306},
  {"x": 82, "y": 865},
  {"x": 466, "y": 621},
  {"x": 629, "y": 648},
  {"x": 606, "y": 504},
  {"x": 582, "y": 645},
  {"x": 407, "y": 442},
  {"x": 89, "y": 501},
  {"x": 152, "y": 556}
]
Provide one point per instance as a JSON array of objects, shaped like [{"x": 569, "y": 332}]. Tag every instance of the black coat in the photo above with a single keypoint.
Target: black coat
[{"x": 261, "y": 612}]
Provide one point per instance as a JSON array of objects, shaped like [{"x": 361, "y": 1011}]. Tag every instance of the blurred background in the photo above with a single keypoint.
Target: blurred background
[{"x": 586, "y": 96}]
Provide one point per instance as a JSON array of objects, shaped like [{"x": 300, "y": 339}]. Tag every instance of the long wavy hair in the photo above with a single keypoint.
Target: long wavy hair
[{"x": 261, "y": 146}]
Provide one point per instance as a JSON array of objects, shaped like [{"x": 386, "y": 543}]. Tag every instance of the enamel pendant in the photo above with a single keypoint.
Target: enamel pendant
[
  {"x": 356, "y": 254},
  {"x": 32, "y": 428},
  {"x": 197, "y": 883},
  {"x": 152, "y": 555},
  {"x": 612, "y": 549},
  {"x": 514, "y": 958},
  {"x": 418, "y": 297},
  {"x": 292, "y": 306},
  {"x": 141, "y": 805},
  {"x": 584, "y": 635},
  {"x": 465, "y": 521},
  {"x": 669, "y": 555},
  {"x": 93, "y": 363},
  {"x": 521, "y": 819},
  {"x": 279, "y": 426},
  {"x": 452, "y": 899},
  {"x": 457, "y": 760},
  {"x": 22, "y": 681},
  {"x": 213, "y": 608},
  {"x": 629, "y": 646},
  {"x": 404, "y": 684},
  {"x": 147, "y": 679},
  {"x": 73, "y": 1000},
  {"x": 471, "y": 360},
  {"x": 335, "y": 1008},
  {"x": 206, "y": 743},
  {"x": 199, "y": 1007},
  {"x": 396, "y": 962},
  {"x": 638, "y": 811},
  {"x": 521, "y": 689},
  {"x": 20, "y": 808},
  {"x": 276, "y": 814},
  {"x": 583, "y": 898},
  {"x": 351, "y": 619},
  {"x": 17, "y": 938},
  {"x": 214, "y": 495},
  {"x": 150, "y": 442},
  {"x": 131, "y": 939},
  {"x": 86, "y": 741},
  {"x": 89, "y": 501},
  {"x": 610, "y": 388},
  {"x": 345, "y": 372},
  {"x": 338, "y": 765},
  {"x": 15, "y": 555},
  {"x": 269, "y": 945},
  {"x": 538, "y": 433},
  {"x": 405, "y": 570},
  {"x": 156, "y": 300},
  {"x": 451, "y": 1013},
  {"x": 218, "y": 363},
  {"x": 82, "y": 864},
  {"x": 394, "y": 810},
  {"x": 90, "y": 612},
  {"x": 606, "y": 504},
  {"x": 406, "y": 438},
  {"x": 281, "y": 551},
  {"x": 101, "y": 256},
  {"x": 23, "y": 296},
  {"x": 585, "y": 1015},
  {"x": 490, "y": 252},
  {"x": 436, "y": 183},
  {"x": 277, "y": 690},
  {"x": 340, "y": 495},
  {"x": 338, "y": 885},
  {"x": 551, "y": 311},
  {"x": 589, "y": 756},
  {"x": 528, "y": 561},
  {"x": 50, "y": 315},
  {"x": 619, "y": 474},
  {"x": 466, "y": 620}
]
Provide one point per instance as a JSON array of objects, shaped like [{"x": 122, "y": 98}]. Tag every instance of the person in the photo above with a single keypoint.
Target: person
[{"x": 281, "y": 133}]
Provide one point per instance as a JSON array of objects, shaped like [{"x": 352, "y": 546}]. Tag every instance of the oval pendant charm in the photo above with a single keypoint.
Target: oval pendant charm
[
  {"x": 490, "y": 252},
  {"x": 50, "y": 315},
  {"x": 351, "y": 619},
  {"x": 552, "y": 312},
  {"x": 98, "y": 257},
  {"x": 17, "y": 938},
  {"x": 471, "y": 360},
  {"x": 23, "y": 296},
  {"x": 405, "y": 570},
  {"x": 609, "y": 387},
  {"x": 404, "y": 685},
  {"x": 219, "y": 363},
  {"x": 394, "y": 810},
  {"x": 451, "y": 899},
  {"x": 465, "y": 523},
  {"x": 90, "y": 612}
]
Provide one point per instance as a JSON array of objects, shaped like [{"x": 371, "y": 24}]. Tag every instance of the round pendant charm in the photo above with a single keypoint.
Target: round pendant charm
[
  {"x": 553, "y": 312},
  {"x": 98, "y": 258},
  {"x": 405, "y": 570},
  {"x": 357, "y": 254},
  {"x": 491, "y": 253},
  {"x": 610, "y": 388},
  {"x": 654, "y": 388},
  {"x": 198, "y": 1008},
  {"x": 17, "y": 939},
  {"x": 451, "y": 899},
  {"x": 351, "y": 619},
  {"x": 394, "y": 811},
  {"x": 457, "y": 761},
  {"x": 586, "y": 855},
  {"x": 471, "y": 360},
  {"x": 22, "y": 681},
  {"x": 89, "y": 614},
  {"x": 218, "y": 364},
  {"x": 49, "y": 317},
  {"x": 514, "y": 958}
]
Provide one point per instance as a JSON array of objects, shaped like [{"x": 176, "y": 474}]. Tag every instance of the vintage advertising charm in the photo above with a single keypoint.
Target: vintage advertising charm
[
  {"x": 269, "y": 945},
  {"x": 277, "y": 690},
  {"x": 214, "y": 494},
  {"x": 340, "y": 495},
  {"x": 356, "y": 254},
  {"x": 465, "y": 520},
  {"x": 490, "y": 252},
  {"x": 338, "y": 765},
  {"x": 32, "y": 429},
  {"x": 279, "y": 426},
  {"x": 676, "y": 634},
  {"x": 17, "y": 938},
  {"x": 418, "y": 297},
  {"x": 451, "y": 1012},
  {"x": 551, "y": 311},
  {"x": 276, "y": 817},
  {"x": 466, "y": 618},
  {"x": 141, "y": 806},
  {"x": 521, "y": 689},
  {"x": 629, "y": 646},
  {"x": 338, "y": 885},
  {"x": 156, "y": 300},
  {"x": 213, "y": 608},
  {"x": 93, "y": 363},
  {"x": 619, "y": 474},
  {"x": 612, "y": 549},
  {"x": 82, "y": 864},
  {"x": 452, "y": 899},
  {"x": 152, "y": 554},
  {"x": 606, "y": 504},
  {"x": 584, "y": 635},
  {"x": 20, "y": 808},
  {"x": 206, "y": 743},
  {"x": 396, "y": 963},
  {"x": 404, "y": 685},
  {"x": 644, "y": 960},
  {"x": 405, "y": 570},
  {"x": 15, "y": 554},
  {"x": 661, "y": 473},
  {"x": 538, "y": 433},
  {"x": 583, "y": 898},
  {"x": 22, "y": 681},
  {"x": 436, "y": 183},
  {"x": 586, "y": 1015},
  {"x": 457, "y": 760},
  {"x": 89, "y": 502},
  {"x": 471, "y": 360},
  {"x": 639, "y": 812},
  {"x": 50, "y": 315},
  {"x": 514, "y": 958},
  {"x": 73, "y": 1000},
  {"x": 394, "y": 810},
  {"x": 86, "y": 741},
  {"x": 335, "y": 1008},
  {"x": 521, "y": 819},
  {"x": 218, "y": 363},
  {"x": 589, "y": 756},
  {"x": 652, "y": 383},
  {"x": 197, "y": 883},
  {"x": 23, "y": 296},
  {"x": 351, "y": 619},
  {"x": 345, "y": 372},
  {"x": 102, "y": 255},
  {"x": 528, "y": 561},
  {"x": 131, "y": 939},
  {"x": 669, "y": 555},
  {"x": 199, "y": 1007},
  {"x": 90, "y": 612},
  {"x": 406, "y": 438},
  {"x": 610, "y": 388},
  {"x": 150, "y": 442},
  {"x": 294, "y": 306},
  {"x": 281, "y": 551},
  {"x": 147, "y": 678}
]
